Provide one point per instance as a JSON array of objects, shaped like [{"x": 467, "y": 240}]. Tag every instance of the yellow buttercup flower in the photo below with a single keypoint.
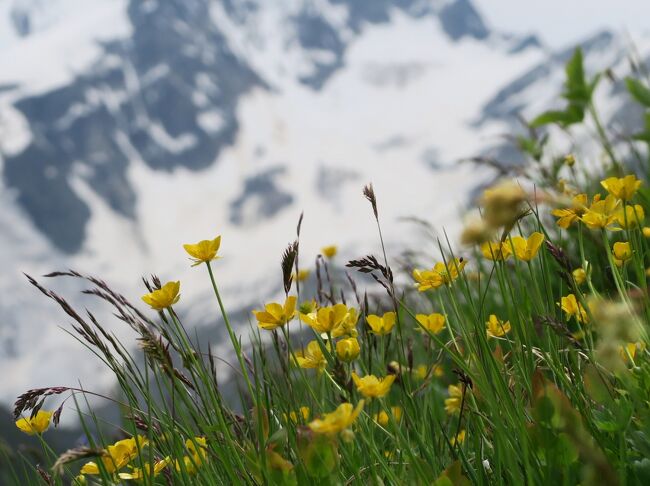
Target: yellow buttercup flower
[
  {"x": 302, "y": 414},
  {"x": 452, "y": 404},
  {"x": 164, "y": 297},
  {"x": 329, "y": 251},
  {"x": 326, "y": 319},
  {"x": 302, "y": 275},
  {"x": 348, "y": 326},
  {"x": 497, "y": 251},
  {"x": 422, "y": 371},
  {"x": 196, "y": 455},
  {"x": 338, "y": 420},
  {"x": 204, "y": 251},
  {"x": 526, "y": 249},
  {"x": 459, "y": 438},
  {"x": 622, "y": 252},
  {"x": 623, "y": 188},
  {"x": 630, "y": 216},
  {"x": 311, "y": 357},
  {"x": 579, "y": 276},
  {"x": 433, "y": 323},
  {"x": 348, "y": 349},
  {"x": 117, "y": 455},
  {"x": 646, "y": 231},
  {"x": 567, "y": 216},
  {"x": 629, "y": 350},
  {"x": 382, "y": 418},
  {"x": 602, "y": 213},
  {"x": 495, "y": 327},
  {"x": 573, "y": 308},
  {"x": 138, "y": 473},
  {"x": 372, "y": 387},
  {"x": 381, "y": 325},
  {"x": 35, "y": 425},
  {"x": 276, "y": 315},
  {"x": 439, "y": 275}
]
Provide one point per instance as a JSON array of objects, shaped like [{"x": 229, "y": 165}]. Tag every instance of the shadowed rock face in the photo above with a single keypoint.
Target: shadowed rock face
[{"x": 146, "y": 97}]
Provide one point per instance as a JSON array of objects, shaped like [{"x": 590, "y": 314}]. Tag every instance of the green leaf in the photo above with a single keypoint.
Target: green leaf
[
  {"x": 548, "y": 117},
  {"x": 638, "y": 91}
]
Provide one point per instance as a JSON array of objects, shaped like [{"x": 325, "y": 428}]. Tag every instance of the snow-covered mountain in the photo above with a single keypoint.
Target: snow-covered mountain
[{"x": 130, "y": 127}]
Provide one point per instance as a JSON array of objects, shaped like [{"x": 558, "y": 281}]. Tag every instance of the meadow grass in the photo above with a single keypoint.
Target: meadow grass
[{"x": 520, "y": 357}]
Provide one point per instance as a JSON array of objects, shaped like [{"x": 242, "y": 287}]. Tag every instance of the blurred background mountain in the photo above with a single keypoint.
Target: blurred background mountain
[{"x": 130, "y": 127}]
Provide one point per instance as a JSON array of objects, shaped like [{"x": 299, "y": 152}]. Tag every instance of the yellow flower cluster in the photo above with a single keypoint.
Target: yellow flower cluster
[{"x": 441, "y": 274}]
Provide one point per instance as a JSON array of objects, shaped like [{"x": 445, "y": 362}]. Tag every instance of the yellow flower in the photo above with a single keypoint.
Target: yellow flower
[
  {"x": 433, "y": 323},
  {"x": 439, "y": 275},
  {"x": 502, "y": 203},
  {"x": 164, "y": 297},
  {"x": 204, "y": 251},
  {"x": 572, "y": 307},
  {"x": 117, "y": 455},
  {"x": 602, "y": 213},
  {"x": 348, "y": 349},
  {"x": 382, "y": 417},
  {"x": 496, "y": 327},
  {"x": 646, "y": 231},
  {"x": 567, "y": 216},
  {"x": 623, "y": 188},
  {"x": 422, "y": 371},
  {"x": 196, "y": 456},
  {"x": 311, "y": 357},
  {"x": 372, "y": 387},
  {"x": 302, "y": 275},
  {"x": 329, "y": 251},
  {"x": 526, "y": 249},
  {"x": 302, "y": 415},
  {"x": 35, "y": 425},
  {"x": 630, "y": 216},
  {"x": 138, "y": 474},
  {"x": 326, "y": 319},
  {"x": 348, "y": 326},
  {"x": 276, "y": 315},
  {"x": 570, "y": 160},
  {"x": 381, "y": 325},
  {"x": 622, "y": 252},
  {"x": 338, "y": 420},
  {"x": 629, "y": 350},
  {"x": 459, "y": 439},
  {"x": 579, "y": 275},
  {"x": 496, "y": 250},
  {"x": 452, "y": 404}
]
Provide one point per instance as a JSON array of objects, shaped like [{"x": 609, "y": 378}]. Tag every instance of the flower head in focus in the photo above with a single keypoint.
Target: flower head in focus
[
  {"x": 37, "y": 424},
  {"x": 495, "y": 327},
  {"x": 439, "y": 275},
  {"x": 371, "y": 386},
  {"x": 276, "y": 315},
  {"x": 204, "y": 251},
  {"x": 338, "y": 420},
  {"x": 381, "y": 325},
  {"x": 434, "y": 323},
  {"x": 622, "y": 188},
  {"x": 164, "y": 297},
  {"x": 348, "y": 349},
  {"x": 526, "y": 248}
]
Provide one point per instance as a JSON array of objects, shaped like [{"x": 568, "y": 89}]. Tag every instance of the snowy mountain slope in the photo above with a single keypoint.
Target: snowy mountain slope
[{"x": 192, "y": 118}]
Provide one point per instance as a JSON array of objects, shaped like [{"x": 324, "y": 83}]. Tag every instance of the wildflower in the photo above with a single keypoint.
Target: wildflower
[
  {"x": 381, "y": 325},
  {"x": 372, "y": 387},
  {"x": 35, "y": 425},
  {"x": 433, "y": 323},
  {"x": 622, "y": 252},
  {"x": 302, "y": 414},
  {"x": 164, "y": 297},
  {"x": 570, "y": 160},
  {"x": 276, "y": 315},
  {"x": 629, "y": 350},
  {"x": 567, "y": 216},
  {"x": 439, "y": 275},
  {"x": 348, "y": 326},
  {"x": 526, "y": 249},
  {"x": 630, "y": 216},
  {"x": 138, "y": 474},
  {"x": 348, "y": 349},
  {"x": 117, "y": 455},
  {"x": 646, "y": 231},
  {"x": 497, "y": 251},
  {"x": 338, "y": 420},
  {"x": 502, "y": 203},
  {"x": 452, "y": 404},
  {"x": 382, "y": 417},
  {"x": 204, "y": 251},
  {"x": 302, "y": 275},
  {"x": 602, "y": 213},
  {"x": 422, "y": 371},
  {"x": 459, "y": 438},
  {"x": 326, "y": 319},
  {"x": 196, "y": 455},
  {"x": 572, "y": 307},
  {"x": 496, "y": 327},
  {"x": 311, "y": 357},
  {"x": 329, "y": 251},
  {"x": 622, "y": 188},
  {"x": 579, "y": 276}
]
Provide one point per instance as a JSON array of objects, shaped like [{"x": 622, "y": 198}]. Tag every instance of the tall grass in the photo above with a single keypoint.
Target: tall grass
[{"x": 518, "y": 358}]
